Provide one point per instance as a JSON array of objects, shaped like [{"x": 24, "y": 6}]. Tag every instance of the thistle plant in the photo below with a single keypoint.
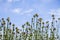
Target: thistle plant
[{"x": 36, "y": 30}]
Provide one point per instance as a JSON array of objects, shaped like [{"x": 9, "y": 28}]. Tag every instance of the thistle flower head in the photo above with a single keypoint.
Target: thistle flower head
[
  {"x": 8, "y": 19},
  {"x": 52, "y": 15},
  {"x": 47, "y": 22},
  {"x": 16, "y": 28},
  {"x": 2, "y": 18},
  {"x": 22, "y": 26},
  {"x": 10, "y": 23},
  {"x": 58, "y": 18},
  {"x": 27, "y": 23},
  {"x": 36, "y": 15},
  {"x": 54, "y": 29},
  {"x": 40, "y": 19},
  {"x": 13, "y": 25},
  {"x": 3, "y": 23},
  {"x": 56, "y": 21},
  {"x": 43, "y": 23}
]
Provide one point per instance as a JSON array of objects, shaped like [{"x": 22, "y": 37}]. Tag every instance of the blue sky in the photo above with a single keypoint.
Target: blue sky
[{"x": 21, "y": 11}]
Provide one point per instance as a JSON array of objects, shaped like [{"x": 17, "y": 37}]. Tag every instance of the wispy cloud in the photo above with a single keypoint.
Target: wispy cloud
[
  {"x": 28, "y": 11},
  {"x": 17, "y": 10},
  {"x": 21, "y": 11}
]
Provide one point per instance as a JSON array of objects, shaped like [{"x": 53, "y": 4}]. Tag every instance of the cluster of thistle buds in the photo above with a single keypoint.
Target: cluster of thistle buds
[{"x": 38, "y": 29}]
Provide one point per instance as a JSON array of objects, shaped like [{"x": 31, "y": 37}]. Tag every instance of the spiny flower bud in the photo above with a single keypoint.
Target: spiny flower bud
[
  {"x": 3, "y": 23},
  {"x": 10, "y": 23},
  {"x": 8, "y": 19},
  {"x": 2, "y": 18},
  {"x": 58, "y": 18},
  {"x": 13, "y": 24}
]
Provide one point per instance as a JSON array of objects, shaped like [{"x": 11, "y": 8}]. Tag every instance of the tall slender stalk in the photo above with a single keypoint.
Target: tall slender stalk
[{"x": 37, "y": 30}]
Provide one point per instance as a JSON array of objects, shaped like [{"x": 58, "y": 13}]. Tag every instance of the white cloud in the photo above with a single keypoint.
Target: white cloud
[
  {"x": 16, "y": 10},
  {"x": 27, "y": 11},
  {"x": 19, "y": 11}
]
